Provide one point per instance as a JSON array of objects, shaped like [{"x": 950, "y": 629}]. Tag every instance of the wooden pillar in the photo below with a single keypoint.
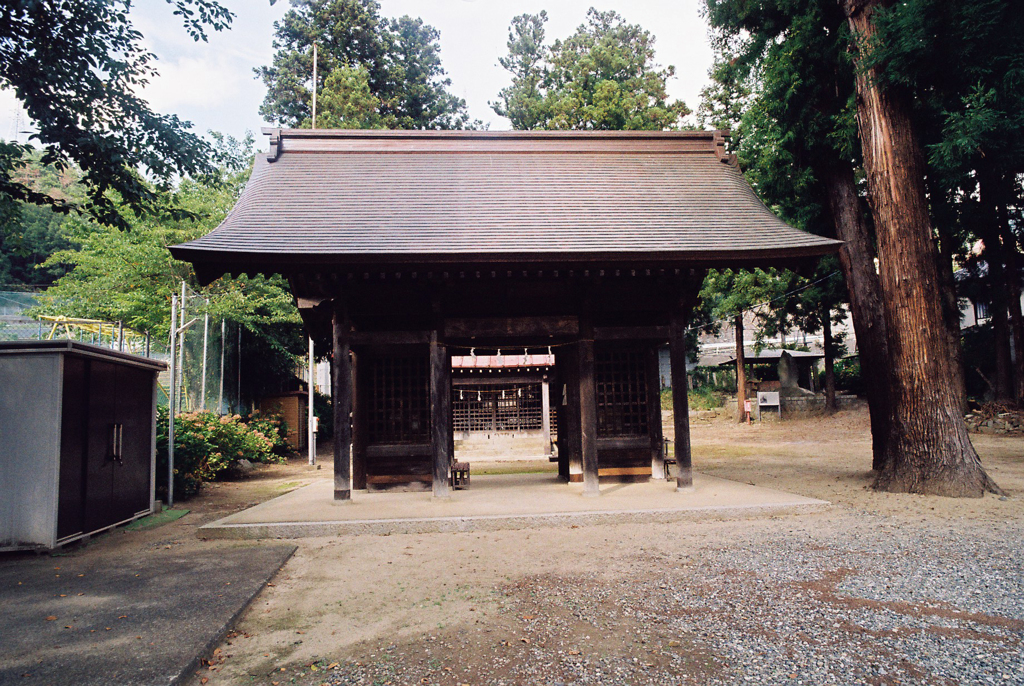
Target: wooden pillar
[
  {"x": 341, "y": 368},
  {"x": 741, "y": 372},
  {"x": 358, "y": 423},
  {"x": 573, "y": 455},
  {"x": 545, "y": 415},
  {"x": 680, "y": 399},
  {"x": 588, "y": 409},
  {"x": 441, "y": 436},
  {"x": 654, "y": 413}
]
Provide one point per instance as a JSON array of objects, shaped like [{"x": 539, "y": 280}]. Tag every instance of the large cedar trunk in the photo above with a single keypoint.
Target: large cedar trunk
[
  {"x": 857, "y": 260},
  {"x": 929, "y": 448},
  {"x": 741, "y": 372}
]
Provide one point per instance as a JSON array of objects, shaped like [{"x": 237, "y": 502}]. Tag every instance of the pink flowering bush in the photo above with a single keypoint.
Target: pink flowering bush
[{"x": 206, "y": 445}]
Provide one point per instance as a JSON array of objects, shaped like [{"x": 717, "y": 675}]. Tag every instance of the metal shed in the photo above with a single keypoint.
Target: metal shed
[{"x": 77, "y": 441}]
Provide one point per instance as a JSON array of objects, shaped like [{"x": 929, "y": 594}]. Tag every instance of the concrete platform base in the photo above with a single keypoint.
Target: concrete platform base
[{"x": 516, "y": 501}]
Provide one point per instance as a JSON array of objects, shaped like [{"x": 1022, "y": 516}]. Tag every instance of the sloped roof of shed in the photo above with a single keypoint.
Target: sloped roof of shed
[{"x": 381, "y": 197}]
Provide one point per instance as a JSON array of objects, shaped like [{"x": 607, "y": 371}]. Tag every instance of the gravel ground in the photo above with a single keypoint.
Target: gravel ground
[
  {"x": 827, "y": 600},
  {"x": 881, "y": 589}
]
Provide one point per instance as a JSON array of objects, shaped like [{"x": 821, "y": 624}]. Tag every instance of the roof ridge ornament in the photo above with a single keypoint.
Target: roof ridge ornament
[
  {"x": 275, "y": 145},
  {"x": 720, "y": 137}
]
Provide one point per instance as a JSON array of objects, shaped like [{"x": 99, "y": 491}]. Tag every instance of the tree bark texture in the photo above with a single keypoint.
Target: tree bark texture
[
  {"x": 1013, "y": 295},
  {"x": 830, "y": 356},
  {"x": 741, "y": 372},
  {"x": 951, "y": 312},
  {"x": 996, "y": 282},
  {"x": 929, "y": 448},
  {"x": 857, "y": 260}
]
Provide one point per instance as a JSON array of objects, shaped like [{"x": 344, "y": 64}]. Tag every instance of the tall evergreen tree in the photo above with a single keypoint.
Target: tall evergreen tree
[
  {"x": 602, "y": 77},
  {"x": 399, "y": 59}
]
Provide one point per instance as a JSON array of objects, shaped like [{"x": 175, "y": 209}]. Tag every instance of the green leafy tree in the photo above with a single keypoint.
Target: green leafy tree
[
  {"x": 77, "y": 67},
  {"x": 603, "y": 77},
  {"x": 129, "y": 276},
  {"x": 397, "y": 60}
]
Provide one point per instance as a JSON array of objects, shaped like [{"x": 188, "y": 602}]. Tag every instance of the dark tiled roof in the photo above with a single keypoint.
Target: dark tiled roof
[{"x": 391, "y": 196}]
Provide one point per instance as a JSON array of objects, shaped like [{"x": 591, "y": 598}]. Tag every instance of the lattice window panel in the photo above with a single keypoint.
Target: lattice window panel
[
  {"x": 398, "y": 400},
  {"x": 621, "y": 393},
  {"x": 497, "y": 408}
]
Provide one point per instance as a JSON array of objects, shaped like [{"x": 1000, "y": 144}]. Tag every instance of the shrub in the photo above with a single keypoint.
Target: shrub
[{"x": 206, "y": 445}]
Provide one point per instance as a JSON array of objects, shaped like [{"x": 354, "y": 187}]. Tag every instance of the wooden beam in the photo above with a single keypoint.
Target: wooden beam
[
  {"x": 441, "y": 436},
  {"x": 680, "y": 399},
  {"x": 400, "y": 450},
  {"x": 487, "y": 380},
  {"x": 654, "y": 429},
  {"x": 398, "y": 478},
  {"x": 625, "y": 471},
  {"x": 631, "y": 333},
  {"x": 390, "y": 337},
  {"x": 511, "y": 327},
  {"x": 341, "y": 366},
  {"x": 588, "y": 409},
  {"x": 624, "y": 443}
]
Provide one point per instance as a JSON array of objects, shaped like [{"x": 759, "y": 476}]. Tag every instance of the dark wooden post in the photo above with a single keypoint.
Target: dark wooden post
[
  {"x": 680, "y": 399},
  {"x": 358, "y": 423},
  {"x": 654, "y": 413},
  {"x": 341, "y": 366},
  {"x": 571, "y": 419},
  {"x": 588, "y": 409},
  {"x": 441, "y": 435},
  {"x": 741, "y": 372}
]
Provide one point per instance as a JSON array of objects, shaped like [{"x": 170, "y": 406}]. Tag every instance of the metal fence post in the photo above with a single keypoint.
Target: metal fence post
[{"x": 171, "y": 405}]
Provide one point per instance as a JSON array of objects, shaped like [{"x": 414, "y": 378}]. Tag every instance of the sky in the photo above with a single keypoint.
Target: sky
[{"x": 213, "y": 85}]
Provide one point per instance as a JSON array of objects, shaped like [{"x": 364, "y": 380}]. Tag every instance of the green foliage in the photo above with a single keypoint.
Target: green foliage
[
  {"x": 76, "y": 67},
  {"x": 206, "y": 445},
  {"x": 347, "y": 102},
  {"x": 602, "y": 77},
  {"x": 393, "y": 65},
  {"x": 706, "y": 398},
  {"x": 848, "y": 376},
  {"x": 324, "y": 411},
  {"x": 129, "y": 276}
]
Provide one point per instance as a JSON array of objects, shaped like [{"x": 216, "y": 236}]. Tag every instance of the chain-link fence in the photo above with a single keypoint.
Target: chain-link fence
[
  {"x": 208, "y": 363},
  {"x": 207, "y": 348}
]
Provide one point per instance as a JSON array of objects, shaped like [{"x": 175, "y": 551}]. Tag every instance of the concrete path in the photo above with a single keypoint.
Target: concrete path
[
  {"x": 500, "y": 502},
  {"x": 147, "y": 620}
]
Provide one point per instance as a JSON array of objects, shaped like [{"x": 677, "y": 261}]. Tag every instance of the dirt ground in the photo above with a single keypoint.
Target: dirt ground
[{"x": 616, "y": 604}]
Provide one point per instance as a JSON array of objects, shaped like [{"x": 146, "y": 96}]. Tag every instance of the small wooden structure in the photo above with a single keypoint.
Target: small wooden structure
[
  {"x": 405, "y": 247},
  {"x": 291, "y": 406},
  {"x": 78, "y": 426}
]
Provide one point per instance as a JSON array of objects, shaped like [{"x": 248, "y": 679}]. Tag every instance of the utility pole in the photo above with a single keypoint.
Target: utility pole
[{"x": 313, "y": 125}]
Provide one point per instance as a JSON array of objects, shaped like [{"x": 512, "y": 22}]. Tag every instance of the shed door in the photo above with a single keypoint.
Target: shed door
[
  {"x": 133, "y": 413},
  {"x": 100, "y": 510}
]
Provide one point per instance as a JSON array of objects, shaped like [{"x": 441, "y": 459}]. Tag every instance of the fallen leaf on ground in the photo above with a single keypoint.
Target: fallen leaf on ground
[{"x": 51, "y": 618}]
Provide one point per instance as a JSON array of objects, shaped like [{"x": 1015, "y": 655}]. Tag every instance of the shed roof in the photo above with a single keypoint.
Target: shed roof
[{"x": 442, "y": 197}]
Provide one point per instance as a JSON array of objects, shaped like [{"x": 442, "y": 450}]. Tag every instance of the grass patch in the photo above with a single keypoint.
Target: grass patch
[{"x": 155, "y": 520}]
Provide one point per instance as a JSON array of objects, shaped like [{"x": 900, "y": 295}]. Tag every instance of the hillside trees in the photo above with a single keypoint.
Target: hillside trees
[
  {"x": 603, "y": 77},
  {"x": 77, "y": 67},
  {"x": 397, "y": 61}
]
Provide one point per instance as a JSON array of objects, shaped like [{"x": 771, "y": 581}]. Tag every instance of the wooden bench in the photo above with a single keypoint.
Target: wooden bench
[{"x": 460, "y": 475}]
